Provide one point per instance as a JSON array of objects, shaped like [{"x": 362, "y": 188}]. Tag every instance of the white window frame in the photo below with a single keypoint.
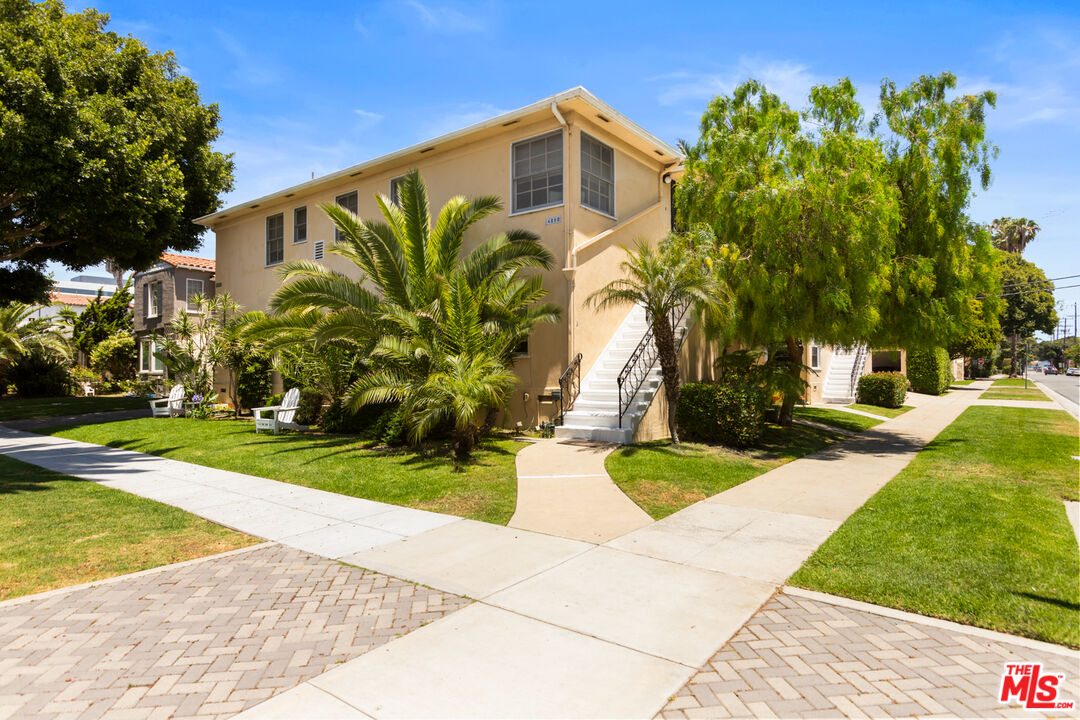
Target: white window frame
[
  {"x": 513, "y": 194},
  {"x": 188, "y": 294},
  {"x": 152, "y": 297},
  {"x": 266, "y": 245},
  {"x": 581, "y": 174},
  {"x": 815, "y": 357},
  {"x": 295, "y": 238},
  {"x": 337, "y": 201},
  {"x": 393, "y": 193},
  {"x": 149, "y": 363}
]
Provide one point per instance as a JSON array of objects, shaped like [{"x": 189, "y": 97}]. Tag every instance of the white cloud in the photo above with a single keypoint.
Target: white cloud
[
  {"x": 790, "y": 80},
  {"x": 458, "y": 116},
  {"x": 446, "y": 19},
  {"x": 367, "y": 119}
]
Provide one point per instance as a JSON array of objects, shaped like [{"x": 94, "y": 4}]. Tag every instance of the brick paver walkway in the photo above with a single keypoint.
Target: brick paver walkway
[
  {"x": 804, "y": 658},
  {"x": 208, "y": 638}
]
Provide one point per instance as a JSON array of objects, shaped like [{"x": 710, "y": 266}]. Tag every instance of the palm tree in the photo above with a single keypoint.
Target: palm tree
[
  {"x": 663, "y": 281},
  {"x": 1013, "y": 234},
  {"x": 405, "y": 309},
  {"x": 21, "y": 333}
]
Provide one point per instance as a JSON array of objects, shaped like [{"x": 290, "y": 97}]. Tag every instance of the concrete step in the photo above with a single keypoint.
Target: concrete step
[{"x": 623, "y": 436}]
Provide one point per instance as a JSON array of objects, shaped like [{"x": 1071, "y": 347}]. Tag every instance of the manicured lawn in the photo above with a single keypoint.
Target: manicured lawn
[
  {"x": 486, "y": 489},
  {"x": 56, "y": 531},
  {"x": 883, "y": 411},
  {"x": 663, "y": 479},
  {"x": 1014, "y": 394},
  {"x": 973, "y": 530},
  {"x": 16, "y": 408},
  {"x": 837, "y": 418},
  {"x": 1012, "y": 383}
]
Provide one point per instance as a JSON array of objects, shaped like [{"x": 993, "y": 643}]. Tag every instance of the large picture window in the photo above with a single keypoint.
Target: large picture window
[
  {"x": 349, "y": 202},
  {"x": 597, "y": 175},
  {"x": 275, "y": 239},
  {"x": 538, "y": 172}
]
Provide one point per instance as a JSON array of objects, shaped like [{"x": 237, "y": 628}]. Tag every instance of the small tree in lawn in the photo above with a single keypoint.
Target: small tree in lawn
[
  {"x": 1028, "y": 302},
  {"x": 662, "y": 280},
  {"x": 804, "y": 218},
  {"x": 104, "y": 317}
]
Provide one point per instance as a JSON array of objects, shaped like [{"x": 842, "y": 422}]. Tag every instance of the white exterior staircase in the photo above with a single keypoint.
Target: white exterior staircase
[
  {"x": 838, "y": 387},
  {"x": 596, "y": 410}
]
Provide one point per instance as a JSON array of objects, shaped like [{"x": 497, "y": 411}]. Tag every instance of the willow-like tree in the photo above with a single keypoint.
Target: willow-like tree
[
  {"x": 936, "y": 146},
  {"x": 803, "y": 213}
]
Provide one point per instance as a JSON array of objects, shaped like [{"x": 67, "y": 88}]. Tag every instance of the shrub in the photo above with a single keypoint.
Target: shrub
[
  {"x": 733, "y": 414},
  {"x": 380, "y": 423},
  {"x": 253, "y": 381},
  {"x": 38, "y": 374},
  {"x": 114, "y": 357},
  {"x": 310, "y": 407},
  {"x": 928, "y": 371},
  {"x": 884, "y": 389}
]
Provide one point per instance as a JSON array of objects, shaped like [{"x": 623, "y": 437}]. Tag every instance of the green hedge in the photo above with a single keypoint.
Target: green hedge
[
  {"x": 729, "y": 414},
  {"x": 884, "y": 389},
  {"x": 39, "y": 374},
  {"x": 310, "y": 406},
  {"x": 928, "y": 371}
]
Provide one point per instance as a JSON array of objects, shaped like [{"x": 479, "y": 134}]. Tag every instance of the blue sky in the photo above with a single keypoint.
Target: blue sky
[{"x": 316, "y": 87}]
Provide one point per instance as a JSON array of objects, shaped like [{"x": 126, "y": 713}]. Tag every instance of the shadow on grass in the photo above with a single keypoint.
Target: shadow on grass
[{"x": 1064, "y": 604}]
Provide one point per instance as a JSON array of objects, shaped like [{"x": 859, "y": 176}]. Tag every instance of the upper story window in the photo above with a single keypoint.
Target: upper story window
[
  {"x": 815, "y": 357},
  {"x": 299, "y": 224},
  {"x": 395, "y": 189},
  {"x": 537, "y": 172},
  {"x": 194, "y": 290},
  {"x": 275, "y": 239},
  {"x": 152, "y": 299},
  {"x": 349, "y": 202},
  {"x": 597, "y": 175}
]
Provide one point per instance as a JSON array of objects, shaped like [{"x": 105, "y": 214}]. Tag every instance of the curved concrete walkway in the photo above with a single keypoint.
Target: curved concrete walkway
[{"x": 564, "y": 490}]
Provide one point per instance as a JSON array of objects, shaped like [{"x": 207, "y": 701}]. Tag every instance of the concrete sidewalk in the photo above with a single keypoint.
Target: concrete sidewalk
[{"x": 567, "y": 629}]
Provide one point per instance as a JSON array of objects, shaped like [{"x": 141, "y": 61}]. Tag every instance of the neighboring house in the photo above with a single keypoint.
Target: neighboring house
[
  {"x": 832, "y": 376},
  {"x": 160, "y": 292},
  {"x": 76, "y": 294}
]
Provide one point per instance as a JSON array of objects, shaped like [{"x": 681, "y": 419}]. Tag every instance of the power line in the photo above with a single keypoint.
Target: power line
[
  {"x": 1035, "y": 290},
  {"x": 1006, "y": 286}
]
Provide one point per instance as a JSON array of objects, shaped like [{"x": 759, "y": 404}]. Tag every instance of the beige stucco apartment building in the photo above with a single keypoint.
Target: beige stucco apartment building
[{"x": 570, "y": 168}]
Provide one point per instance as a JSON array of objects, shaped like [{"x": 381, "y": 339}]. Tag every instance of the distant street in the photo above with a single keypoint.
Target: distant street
[{"x": 1067, "y": 386}]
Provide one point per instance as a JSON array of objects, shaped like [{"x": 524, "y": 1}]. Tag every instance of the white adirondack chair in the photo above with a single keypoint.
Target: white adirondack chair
[
  {"x": 170, "y": 406},
  {"x": 279, "y": 416}
]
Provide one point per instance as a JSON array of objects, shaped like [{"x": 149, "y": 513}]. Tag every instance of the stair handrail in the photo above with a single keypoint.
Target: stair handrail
[
  {"x": 569, "y": 387},
  {"x": 856, "y": 370},
  {"x": 641, "y": 361}
]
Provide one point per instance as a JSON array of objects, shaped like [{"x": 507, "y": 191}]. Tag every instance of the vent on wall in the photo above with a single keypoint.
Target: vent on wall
[{"x": 319, "y": 249}]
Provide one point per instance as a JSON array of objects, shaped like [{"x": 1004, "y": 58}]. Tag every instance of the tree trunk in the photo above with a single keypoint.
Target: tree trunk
[
  {"x": 787, "y": 409},
  {"x": 463, "y": 444},
  {"x": 664, "y": 337}
]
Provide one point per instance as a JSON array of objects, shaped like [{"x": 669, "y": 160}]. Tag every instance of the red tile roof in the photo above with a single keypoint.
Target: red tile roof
[
  {"x": 189, "y": 261},
  {"x": 59, "y": 298}
]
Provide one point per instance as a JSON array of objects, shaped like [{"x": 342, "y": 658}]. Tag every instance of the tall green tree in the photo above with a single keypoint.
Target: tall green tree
[
  {"x": 803, "y": 212},
  {"x": 1013, "y": 234},
  {"x": 940, "y": 260},
  {"x": 1028, "y": 301},
  {"x": 420, "y": 305},
  {"x": 103, "y": 318},
  {"x": 106, "y": 146},
  {"x": 665, "y": 281}
]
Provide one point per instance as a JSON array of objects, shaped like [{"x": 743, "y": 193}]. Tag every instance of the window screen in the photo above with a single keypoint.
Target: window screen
[
  {"x": 349, "y": 202},
  {"x": 275, "y": 239},
  {"x": 194, "y": 288},
  {"x": 538, "y": 172},
  {"x": 299, "y": 225},
  {"x": 395, "y": 190},
  {"x": 597, "y": 175}
]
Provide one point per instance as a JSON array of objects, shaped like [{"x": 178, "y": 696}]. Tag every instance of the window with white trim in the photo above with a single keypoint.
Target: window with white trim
[
  {"x": 395, "y": 189},
  {"x": 349, "y": 201},
  {"x": 537, "y": 172},
  {"x": 815, "y": 357},
  {"x": 193, "y": 289},
  {"x": 148, "y": 361},
  {"x": 275, "y": 239},
  {"x": 299, "y": 224},
  {"x": 597, "y": 175},
  {"x": 152, "y": 299}
]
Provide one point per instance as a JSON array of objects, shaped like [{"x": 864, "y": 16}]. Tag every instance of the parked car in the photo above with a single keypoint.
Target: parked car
[
  {"x": 1073, "y": 371},
  {"x": 1050, "y": 370}
]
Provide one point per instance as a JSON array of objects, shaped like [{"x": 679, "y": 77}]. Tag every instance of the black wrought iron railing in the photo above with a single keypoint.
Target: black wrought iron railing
[
  {"x": 856, "y": 370},
  {"x": 569, "y": 387},
  {"x": 641, "y": 361}
]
